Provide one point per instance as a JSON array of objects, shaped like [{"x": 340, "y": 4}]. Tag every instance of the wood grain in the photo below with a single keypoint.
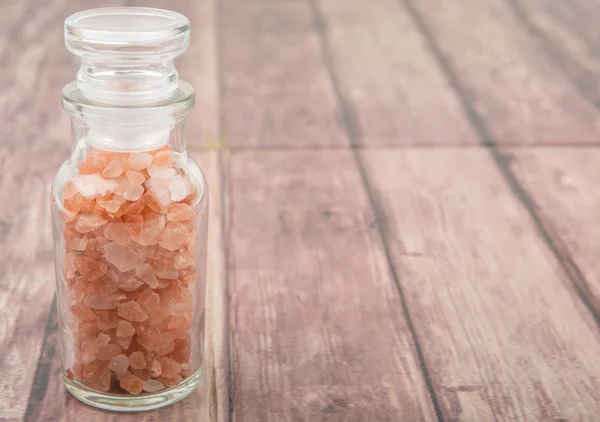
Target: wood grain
[
  {"x": 569, "y": 34},
  {"x": 275, "y": 89},
  {"x": 318, "y": 331},
  {"x": 514, "y": 86},
  {"x": 209, "y": 401},
  {"x": 565, "y": 187},
  {"x": 397, "y": 92},
  {"x": 495, "y": 315}
]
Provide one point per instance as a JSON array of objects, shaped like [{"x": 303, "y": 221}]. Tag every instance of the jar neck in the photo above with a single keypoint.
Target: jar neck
[{"x": 127, "y": 83}]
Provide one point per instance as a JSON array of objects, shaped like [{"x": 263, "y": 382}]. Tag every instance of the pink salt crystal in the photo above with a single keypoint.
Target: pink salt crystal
[
  {"x": 119, "y": 364},
  {"x": 165, "y": 345},
  {"x": 113, "y": 169},
  {"x": 122, "y": 257},
  {"x": 179, "y": 308},
  {"x": 154, "y": 369},
  {"x": 180, "y": 212},
  {"x": 180, "y": 188},
  {"x": 170, "y": 367},
  {"x": 139, "y": 160},
  {"x": 183, "y": 260},
  {"x": 95, "y": 247},
  {"x": 157, "y": 223},
  {"x": 163, "y": 158},
  {"x": 125, "y": 329},
  {"x": 124, "y": 342},
  {"x": 89, "y": 268},
  {"x": 117, "y": 232},
  {"x": 78, "y": 290},
  {"x": 168, "y": 274},
  {"x": 89, "y": 222},
  {"x": 131, "y": 311},
  {"x": 180, "y": 334},
  {"x": 152, "y": 386},
  {"x": 161, "y": 172},
  {"x": 171, "y": 382},
  {"x": 69, "y": 190},
  {"x": 129, "y": 283},
  {"x": 158, "y": 315},
  {"x": 173, "y": 236},
  {"x": 125, "y": 374},
  {"x": 82, "y": 312},
  {"x": 141, "y": 374},
  {"x": 148, "y": 237},
  {"x": 134, "y": 192},
  {"x": 108, "y": 351},
  {"x": 102, "y": 339},
  {"x": 77, "y": 243},
  {"x": 151, "y": 339},
  {"x": 107, "y": 320},
  {"x": 91, "y": 185},
  {"x": 178, "y": 323},
  {"x": 93, "y": 369},
  {"x": 146, "y": 273},
  {"x": 137, "y": 360},
  {"x": 135, "y": 177},
  {"x": 121, "y": 185},
  {"x": 132, "y": 384},
  {"x": 101, "y": 301},
  {"x": 112, "y": 205}
]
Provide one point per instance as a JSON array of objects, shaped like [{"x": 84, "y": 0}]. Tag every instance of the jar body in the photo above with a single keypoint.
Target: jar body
[{"x": 130, "y": 231}]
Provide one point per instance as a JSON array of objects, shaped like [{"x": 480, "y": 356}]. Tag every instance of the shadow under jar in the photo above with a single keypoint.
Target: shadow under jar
[{"x": 130, "y": 216}]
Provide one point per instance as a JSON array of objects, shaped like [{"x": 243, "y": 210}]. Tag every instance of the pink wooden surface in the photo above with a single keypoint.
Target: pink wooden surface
[{"x": 403, "y": 199}]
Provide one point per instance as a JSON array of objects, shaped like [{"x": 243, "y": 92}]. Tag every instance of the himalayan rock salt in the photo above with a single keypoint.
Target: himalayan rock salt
[
  {"x": 154, "y": 368},
  {"x": 129, "y": 283},
  {"x": 141, "y": 374},
  {"x": 117, "y": 232},
  {"x": 161, "y": 172},
  {"x": 108, "y": 351},
  {"x": 173, "y": 236},
  {"x": 163, "y": 158},
  {"x": 123, "y": 375},
  {"x": 92, "y": 185},
  {"x": 135, "y": 177},
  {"x": 132, "y": 384},
  {"x": 89, "y": 222},
  {"x": 133, "y": 192},
  {"x": 77, "y": 243},
  {"x": 135, "y": 224},
  {"x": 95, "y": 162},
  {"x": 180, "y": 308},
  {"x": 124, "y": 342},
  {"x": 180, "y": 212},
  {"x": 150, "y": 340},
  {"x": 165, "y": 345},
  {"x": 119, "y": 364},
  {"x": 170, "y": 367},
  {"x": 107, "y": 320},
  {"x": 188, "y": 274},
  {"x": 95, "y": 247},
  {"x": 182, "y": 350},
  {"x": 183, "y": 260},
  {"x": 69, "y": 190},
  {"x": 79, "y": 289},
  {"x": 180, "y": 188},
  {"x": 78, "y": 371},
  {"x": 101, "y": 382},
  {"x": 149, "y": 300},
  {"x": 113, "y": 204},
  {"x": 137, "y": 360},
  {"x": 148, "y": 237},
  {"x": 82, "y": 312},
  {"x": 122, "y": 257},
  {"x": 160, "y": 192},
  {"x": 136, "y": 208},
  {"x": 101, "y": 301},
  {"x": 171, "y": 382},
  {"x": 180, "y": 334},
  {"x": 89, "y": 268},
  {"x": 156, "y": 222},
  {"x": 113, "y": 169},
  {"x": 131, "y": 311},
  {"x": 110, "y": 280},
  {"x": 146, "y": 274},
  {"x": 141, "y": 327},
  {"x": 121, "y": 185},
  {"x": 93, "y": 369},
  {"x": 152, "y": 386},
  {"x": 125, "y": 329},
  {"x": 158, "y": 315},
  {"x": 177, "y": 323},
  {"x": 102, "y": 339},
  {"x": 139, "y": 160},
  {"x": 168, "y": 274},
  {"x": 88, "y": 329}
]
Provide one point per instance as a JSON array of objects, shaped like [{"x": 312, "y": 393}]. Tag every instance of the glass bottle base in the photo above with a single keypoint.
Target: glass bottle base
[{"x": 133, "y": 403}]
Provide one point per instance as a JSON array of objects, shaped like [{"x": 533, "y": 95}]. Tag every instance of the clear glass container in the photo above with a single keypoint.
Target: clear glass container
[{"x": 130, "y": 216}]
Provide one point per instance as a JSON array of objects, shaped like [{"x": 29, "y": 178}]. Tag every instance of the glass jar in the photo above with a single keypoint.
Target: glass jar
[{"x": 130, "y": 216}]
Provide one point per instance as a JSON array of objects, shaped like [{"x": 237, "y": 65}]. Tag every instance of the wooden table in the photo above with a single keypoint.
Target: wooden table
[{"x": 405, "y": 197}]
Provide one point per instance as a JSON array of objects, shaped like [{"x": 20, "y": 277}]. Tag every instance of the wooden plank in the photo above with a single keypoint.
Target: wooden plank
[
  {"x": 503, "y": 333},
  {"x": 564, "y": 185},
  {"x": 275, "y": 89},
  {"x": 514, "y": 86},
  {"x": 318, "y": 331},
  {"x": 388, "y": 75},
  {"x": 568, "y": 33},
  {"x": 209, "y": 401}
]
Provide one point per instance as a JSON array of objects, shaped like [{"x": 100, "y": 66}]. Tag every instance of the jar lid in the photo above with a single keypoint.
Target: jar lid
[{"x": 127, "y": 33}]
